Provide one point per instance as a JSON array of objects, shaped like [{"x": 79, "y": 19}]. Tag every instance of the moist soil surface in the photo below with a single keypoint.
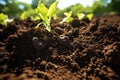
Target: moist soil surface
[{"x": 79, "y": 50}]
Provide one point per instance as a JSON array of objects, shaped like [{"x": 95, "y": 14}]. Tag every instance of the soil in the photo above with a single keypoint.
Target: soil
[{"x": 79, "y": 50}]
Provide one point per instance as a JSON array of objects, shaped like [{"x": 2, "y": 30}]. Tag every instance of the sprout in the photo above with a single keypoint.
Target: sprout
[
  {"x": 3, "y": 19},
  {"x": 23, "y": 15},
  {"x": 80, "y": 16},
  {"x": 46, "y": 14},
  {"x": 68, "y": 17},
  {"x": 90, "y": 16}
]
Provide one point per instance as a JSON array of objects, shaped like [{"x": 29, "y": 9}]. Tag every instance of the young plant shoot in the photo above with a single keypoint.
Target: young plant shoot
[
  {"x": 3, "y": 19},
  {"x": 23, "y": 15},
  {"x": 80, "y": 16},
  {"x": 46, "y": 14},
  {"x": 68, "y": 17},
  {"x": 90, "y": 16}
]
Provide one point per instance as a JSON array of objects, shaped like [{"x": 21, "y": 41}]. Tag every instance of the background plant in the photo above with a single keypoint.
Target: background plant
[
  {"x": 68, "y": 17},
  {"x": 13, "y": 8},
  {"x": 80, "y": 15},
  {"x": 3, "y": 19},
  {"x": 90, "y": 16}
]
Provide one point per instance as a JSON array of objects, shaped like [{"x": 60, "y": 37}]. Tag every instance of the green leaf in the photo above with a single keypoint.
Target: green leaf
[
  {"x": 68, "y": 17},
  {"x": 52, "y": 8},
  {"x": 41, "y": 16},
  {"x": 90, "y": 16},
  {"x": 23, "y": 15},
  {"x": 68, "y": 14},
  {"x": 67, "y": 20},
  {"x": 42, "y": 9},
  {"x": 80, "y": 16},
  {"x": 37, "y": 26},
  {"x": 3, "y": 19},
  {"x": 36, "y": 18},
  {"x": 55, "y": 16}
]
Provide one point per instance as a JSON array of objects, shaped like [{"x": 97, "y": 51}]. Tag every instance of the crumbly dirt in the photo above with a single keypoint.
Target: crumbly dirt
[{"x": 80, "y": 50}]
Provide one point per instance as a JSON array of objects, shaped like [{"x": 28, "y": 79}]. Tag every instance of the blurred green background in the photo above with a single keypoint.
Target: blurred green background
[{"x": 14, "y": 8}]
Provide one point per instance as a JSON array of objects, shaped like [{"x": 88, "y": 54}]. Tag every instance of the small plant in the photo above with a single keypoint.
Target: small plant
[
  {"x": 80, "y": 16},
  {"x": 68, "y": 17},
  {"x": 23, "y": 15},
  {"x": 46, "y": 14},
  {"x": 29, "y": 13},
  {"x": 3, "y": 19},
  {"x": 90, "y": 16},
  {"x": 55, "y": 16}
]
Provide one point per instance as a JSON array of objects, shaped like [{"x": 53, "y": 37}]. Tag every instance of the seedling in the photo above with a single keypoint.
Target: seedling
[
  {"x": 80, "y": 16},
  {"x": 90, "y": 16},
  {"x": 3, "y": 19},
  {"x": 35, "y": 18},
  {"x": 55, "y": 16},
  {"x": 68, "y": 17},
  {"x": 23, "y": 15},
  {"x": 46, "y": 14}
]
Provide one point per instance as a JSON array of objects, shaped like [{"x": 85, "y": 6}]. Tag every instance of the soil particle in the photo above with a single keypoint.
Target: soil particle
[
  {"x": 75, "y": 23},
  {"x": 59, "y": 30}
]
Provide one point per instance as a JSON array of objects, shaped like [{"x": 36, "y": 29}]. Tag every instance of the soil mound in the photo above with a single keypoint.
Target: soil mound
[{"x": 71, "y": 51}]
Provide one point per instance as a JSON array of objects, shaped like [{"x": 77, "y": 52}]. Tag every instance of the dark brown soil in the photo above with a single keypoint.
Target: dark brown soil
[{"x": 80, "y": 50}]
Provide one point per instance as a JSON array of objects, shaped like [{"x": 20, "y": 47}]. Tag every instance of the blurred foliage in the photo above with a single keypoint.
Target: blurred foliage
[
  {"x": 14, "y": 8},
  {"x": 68, "y": 17},
  {"x": 77, "y": 8},
  {"x": 99, "y": 7},
  {"x": 3, "y": 19},
  {"x": 115, "y": 5},
  {"x": 46, "y": 2}
]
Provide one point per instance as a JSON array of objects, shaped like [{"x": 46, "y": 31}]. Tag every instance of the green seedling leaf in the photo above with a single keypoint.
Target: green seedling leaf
[
  {"x": 23, "y": 15},
  {"x": 36, "y": 18},
  {"x": 55, "y": 16},
  {"x": 52, "y": 8},
  {"x": 3, "y": 19},
  {"x": 46, "y": 14},
  {"x": 42, "y": 10},
  {"x": 90, "y": 16},
  {"x": 68, "y": 17},
  {"x": 80, "y": 16}
]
